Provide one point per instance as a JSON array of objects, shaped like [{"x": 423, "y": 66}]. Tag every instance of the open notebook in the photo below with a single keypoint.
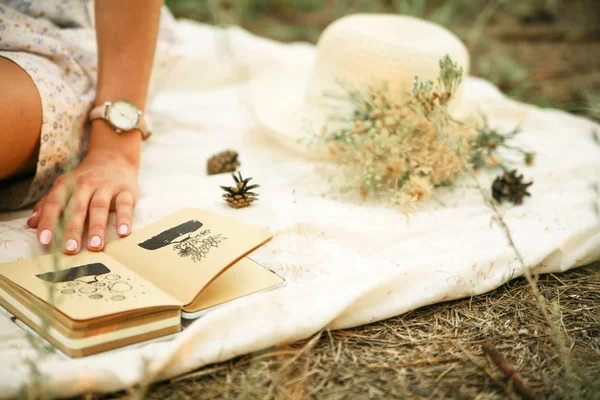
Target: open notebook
[{"x": 140, "y": 286}]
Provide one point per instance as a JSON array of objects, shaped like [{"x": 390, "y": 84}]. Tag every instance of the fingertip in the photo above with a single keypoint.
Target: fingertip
[
  {"x": 33, "y": 219},
  {"x": 71, "y": 246},
  {"x": 123, "y": 230},
  {"x": 95, "y": 243},
  {"x": 45, "y": 237},
  {"x": 124, "y": 203}
]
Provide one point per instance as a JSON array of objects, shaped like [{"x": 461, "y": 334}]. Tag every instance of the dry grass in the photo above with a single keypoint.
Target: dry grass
[{"x": 432, "y": 352}]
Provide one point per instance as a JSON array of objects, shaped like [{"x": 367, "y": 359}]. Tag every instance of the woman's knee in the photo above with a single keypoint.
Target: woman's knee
[{"x": 20, "y": 120}]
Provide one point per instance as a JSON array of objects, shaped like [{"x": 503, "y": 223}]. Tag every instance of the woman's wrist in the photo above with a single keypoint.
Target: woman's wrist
[{"x": 103, "y": 138}]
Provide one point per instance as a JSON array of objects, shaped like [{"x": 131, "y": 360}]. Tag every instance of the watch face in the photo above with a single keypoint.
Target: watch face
[{"x": 123, "y": 115}]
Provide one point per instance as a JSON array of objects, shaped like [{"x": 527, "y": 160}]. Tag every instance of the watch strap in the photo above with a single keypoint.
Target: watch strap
[
  {"x": 142, "y": 126},
  {"x": 99, "y": 112}
]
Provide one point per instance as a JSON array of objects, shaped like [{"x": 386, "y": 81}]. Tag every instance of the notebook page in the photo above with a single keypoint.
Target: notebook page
[
  {"x": 184, "y": 251},
  {"x": 85, "y": 286}
]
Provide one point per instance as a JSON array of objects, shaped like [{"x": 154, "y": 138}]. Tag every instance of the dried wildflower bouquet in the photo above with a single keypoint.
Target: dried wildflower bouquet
[{"x": 389, "y": 145}]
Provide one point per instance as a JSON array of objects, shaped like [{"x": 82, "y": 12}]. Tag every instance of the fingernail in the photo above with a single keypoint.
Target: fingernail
[
  {"x": 32, "y": 216},
  {"x": 95, "y": 241},
  {"x": 45, "y": 236},
  {"x": 71, "y": 245},
  {"x": 123, "y": 229}
]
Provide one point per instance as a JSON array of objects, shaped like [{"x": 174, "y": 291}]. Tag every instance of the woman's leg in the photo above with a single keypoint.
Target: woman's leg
[{"x": 20, "y": 120}]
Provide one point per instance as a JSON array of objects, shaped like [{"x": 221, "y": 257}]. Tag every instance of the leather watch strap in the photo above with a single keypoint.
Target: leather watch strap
[
  {"x": 100, "y": 113},
  {"x": 142, "y": 126}
]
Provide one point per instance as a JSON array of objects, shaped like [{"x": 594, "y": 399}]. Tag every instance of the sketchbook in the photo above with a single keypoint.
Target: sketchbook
[{"x": 139, "y": 287}]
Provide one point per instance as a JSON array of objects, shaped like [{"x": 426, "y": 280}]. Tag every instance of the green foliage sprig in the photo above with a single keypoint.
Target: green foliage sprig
[{"x": 488, "y": 142}]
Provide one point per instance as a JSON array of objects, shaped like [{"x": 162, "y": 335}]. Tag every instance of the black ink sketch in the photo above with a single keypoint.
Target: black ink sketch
[
  {"x": 165, "y": 238},
  {"x": 71, "y": 274},
  {"x": 120, "y": 287},
  {"x": 196, "y": 246},
  {"x": 96, "y": 281}
]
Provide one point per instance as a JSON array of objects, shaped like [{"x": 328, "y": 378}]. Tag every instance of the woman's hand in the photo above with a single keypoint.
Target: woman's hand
[{"x": 105, "y": 180}]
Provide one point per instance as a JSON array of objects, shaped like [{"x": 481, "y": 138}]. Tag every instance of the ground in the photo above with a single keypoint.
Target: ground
[
  {"x": 543, "y": 52},
  {"x": 432, "y": 352}
]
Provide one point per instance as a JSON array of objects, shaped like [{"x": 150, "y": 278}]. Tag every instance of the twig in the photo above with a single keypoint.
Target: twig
[
  {"x": 198, "y": 374},
  {"x": 471, "y": 358},
  {"x": 307, "y": 347},
  {"x": 275, "y": 353},
  {"x": 509, "y": 371}
]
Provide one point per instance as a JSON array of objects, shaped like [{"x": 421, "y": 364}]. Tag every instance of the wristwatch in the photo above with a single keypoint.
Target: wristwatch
[{"x": 122, "y": 115}]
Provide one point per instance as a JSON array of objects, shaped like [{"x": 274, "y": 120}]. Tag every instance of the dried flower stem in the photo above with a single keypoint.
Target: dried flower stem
[
  {"x": 441, "y": 120},
  {"x": 34, "y": 388},
  {"x": 557, "y": 335}
]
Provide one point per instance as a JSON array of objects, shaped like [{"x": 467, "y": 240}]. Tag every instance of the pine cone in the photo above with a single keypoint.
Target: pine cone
[
  {"x": 240, "y": 196},
  {"x": 511, "y": 187},
  {"x": 225, "y": 161}
]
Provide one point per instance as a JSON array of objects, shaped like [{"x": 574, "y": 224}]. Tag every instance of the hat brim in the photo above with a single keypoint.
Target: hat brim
[{"x": 277, "y": 98}]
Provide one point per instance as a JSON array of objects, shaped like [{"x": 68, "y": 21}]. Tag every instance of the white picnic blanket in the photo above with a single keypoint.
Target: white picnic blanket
[{"x": 347, "y": 263}]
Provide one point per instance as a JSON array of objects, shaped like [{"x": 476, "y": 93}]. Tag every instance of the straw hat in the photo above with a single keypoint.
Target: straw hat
[{"x": 360, "y": 49}]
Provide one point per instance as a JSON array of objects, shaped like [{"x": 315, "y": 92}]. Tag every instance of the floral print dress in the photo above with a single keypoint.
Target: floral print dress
[{"x": 55, "y": 43}]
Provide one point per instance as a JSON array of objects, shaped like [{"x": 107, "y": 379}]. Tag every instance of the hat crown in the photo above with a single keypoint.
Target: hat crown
[{"x": 366, "y": 49}]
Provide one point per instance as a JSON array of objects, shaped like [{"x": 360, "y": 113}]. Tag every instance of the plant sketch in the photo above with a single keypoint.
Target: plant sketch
[{"x": 196, "y": 246}]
